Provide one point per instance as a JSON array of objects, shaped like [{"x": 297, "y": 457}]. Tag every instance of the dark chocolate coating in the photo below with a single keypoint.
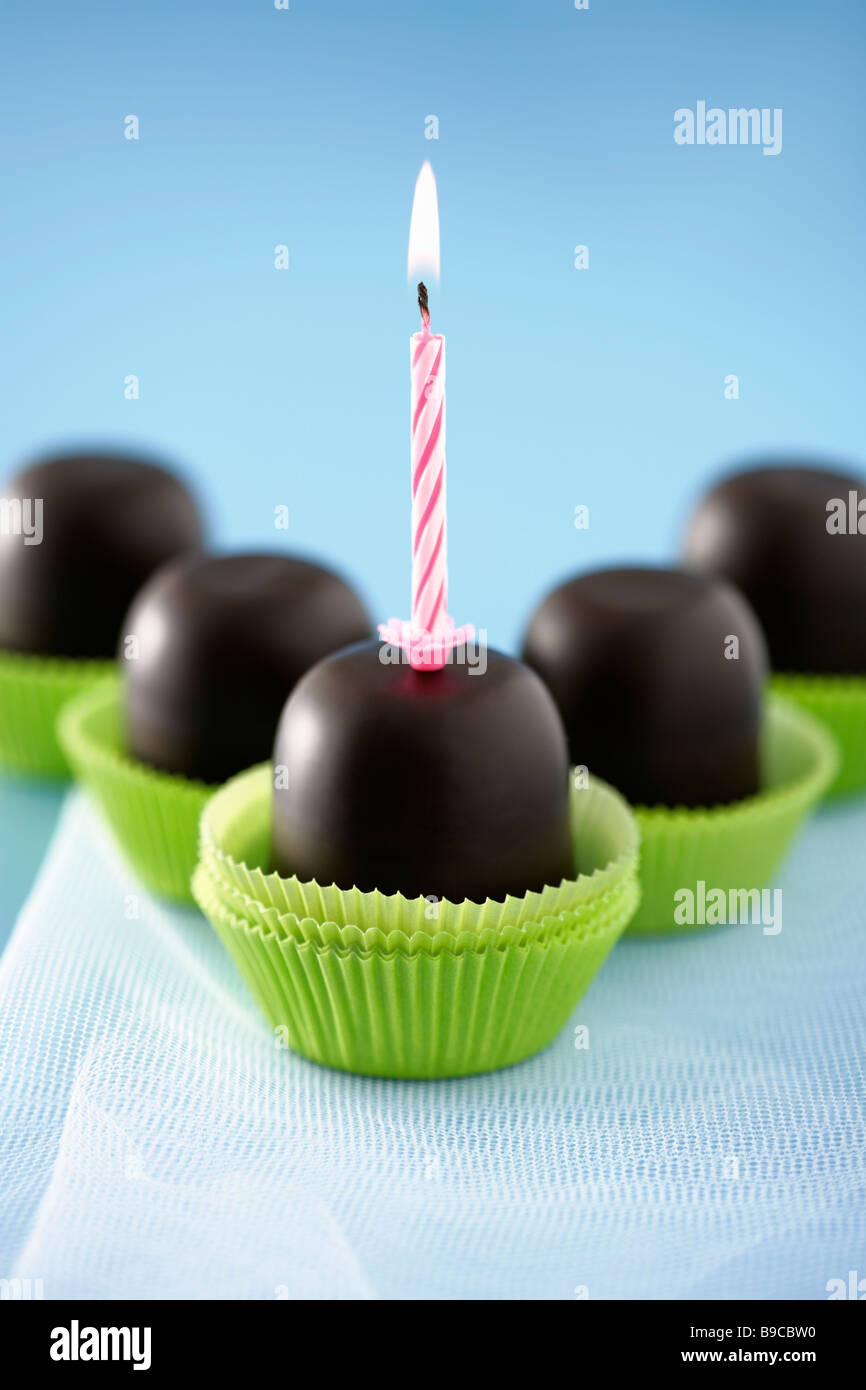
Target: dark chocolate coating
[
  {"x": 108, "y": 523},
  {"x": 765, "y": 530},
  {"x": 222, "y": 640},
  {"x": 635, "y": 660},
  {"x": 439, "y": 783}
]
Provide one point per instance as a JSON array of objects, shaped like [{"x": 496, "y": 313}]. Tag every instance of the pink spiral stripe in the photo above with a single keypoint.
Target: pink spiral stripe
[
  {"x": 429, "y": 553},
  {"x": 428, "y": 450},
  {"x": 419, "y": 404},
  {"x": 429, "y": 570},
  {"x": 430, "y": 636}
]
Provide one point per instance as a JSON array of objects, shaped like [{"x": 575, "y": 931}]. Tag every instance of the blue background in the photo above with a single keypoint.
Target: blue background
[{"x": 604, "y": 387}]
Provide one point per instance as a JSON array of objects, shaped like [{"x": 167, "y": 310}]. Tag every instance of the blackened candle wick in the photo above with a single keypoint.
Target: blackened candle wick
[{"x": 422, "y": 304}]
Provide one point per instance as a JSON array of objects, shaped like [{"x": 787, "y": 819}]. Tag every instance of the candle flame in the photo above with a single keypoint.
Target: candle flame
[{"x": 424, "y": 227}]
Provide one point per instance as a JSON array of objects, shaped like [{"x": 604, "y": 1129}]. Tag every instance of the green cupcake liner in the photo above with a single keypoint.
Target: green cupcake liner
[
  {"x": 154, "y": 815},
  {"x": 737, "y": 846},
  {"x": 235, "y": 843},
  {"x": 421, "y": 1016},
  {"x": 392, "y": 993},
  {"x": 586, "y": 919},
  {"x": 33, "y": 690},
  {"x": 840, "y": 704}
]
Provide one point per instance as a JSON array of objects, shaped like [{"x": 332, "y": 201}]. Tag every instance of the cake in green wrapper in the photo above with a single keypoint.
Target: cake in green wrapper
[
  {"x": 792, "y": 536},
  {"x": 211, "y": 647},
  {"x": 388, "y": 985},
  {"x": 81, "y": 534},
  {"x": 661, "y": 677}
]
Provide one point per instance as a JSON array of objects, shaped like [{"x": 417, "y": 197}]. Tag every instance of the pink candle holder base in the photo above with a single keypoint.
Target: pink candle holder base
[{"x": 427, "y": 651}]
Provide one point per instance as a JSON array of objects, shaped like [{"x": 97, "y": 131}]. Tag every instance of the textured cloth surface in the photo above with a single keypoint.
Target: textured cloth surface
[
  {"x": 28, "y": 813},
  {"x": 155, "y": 1142}
]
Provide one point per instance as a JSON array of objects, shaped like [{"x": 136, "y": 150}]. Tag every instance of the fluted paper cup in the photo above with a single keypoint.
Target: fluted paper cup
[
  {"x": 235, "y": 841},
  {"x": 839, "y": 702},
  {"x": 736, "y": 847},
  {"x": 33, "y": 690},
  {"x": 154, "y": 815},
  {"x": 375, "y": 983}
]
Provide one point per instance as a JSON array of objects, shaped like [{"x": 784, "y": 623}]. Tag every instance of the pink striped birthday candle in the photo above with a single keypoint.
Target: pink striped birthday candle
[
  {"x": 429, "y": 546},
  {"x": 430, "y": 634}
]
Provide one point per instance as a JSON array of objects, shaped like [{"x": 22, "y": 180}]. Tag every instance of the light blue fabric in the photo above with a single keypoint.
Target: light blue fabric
[
  {"x": 28, "y": 812},
  {"x": 710, "y": 1142}
]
